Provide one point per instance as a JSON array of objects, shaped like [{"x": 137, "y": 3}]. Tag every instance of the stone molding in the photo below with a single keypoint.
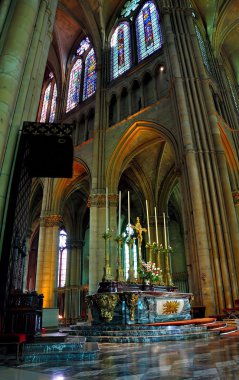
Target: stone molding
[
  {"x": 98, "y": 200},
  {"x": 51, "y": 220}
]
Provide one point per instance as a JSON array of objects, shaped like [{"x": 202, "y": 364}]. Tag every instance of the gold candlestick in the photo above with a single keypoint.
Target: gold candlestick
[
  {"x": 107, "y": 276},
  {"x": 167, "y": 275},
  {"x": 149, "y": 252},
  {"x": 120, "y": 270}
]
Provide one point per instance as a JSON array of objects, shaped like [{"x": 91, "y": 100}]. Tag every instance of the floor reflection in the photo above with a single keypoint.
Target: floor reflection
[{"x": 216, "y": 358}]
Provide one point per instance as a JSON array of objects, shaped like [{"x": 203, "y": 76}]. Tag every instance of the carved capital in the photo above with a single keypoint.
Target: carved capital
[
  {"x": 51, "y": 220},
  {"x": 99, "y": 200}
]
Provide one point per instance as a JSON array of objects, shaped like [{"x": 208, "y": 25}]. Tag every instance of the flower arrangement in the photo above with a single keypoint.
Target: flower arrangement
[{"x": 149, "y": 272}]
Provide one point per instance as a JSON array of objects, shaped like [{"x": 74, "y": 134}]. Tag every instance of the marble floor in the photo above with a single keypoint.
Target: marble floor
[{"x": 216, "y": 358}]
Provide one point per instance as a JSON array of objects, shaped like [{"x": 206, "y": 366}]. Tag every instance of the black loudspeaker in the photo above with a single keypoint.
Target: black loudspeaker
[{"x": 50, "y": 149}]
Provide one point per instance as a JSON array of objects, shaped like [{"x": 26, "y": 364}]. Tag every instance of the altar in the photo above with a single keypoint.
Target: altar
[
  {"x": 144, "y": 292},
  {"x": 139, "y": 307}
]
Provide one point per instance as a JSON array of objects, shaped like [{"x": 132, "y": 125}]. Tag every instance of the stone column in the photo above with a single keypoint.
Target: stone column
[
  {"x": 200, "y": 246},
  {"x": 22, "y": 64},
  {"x": 221, "y": 182},
  {"x": 46, "y": 279},
  {"x": 97, "y": 197},
  {"x": 73, "y": 279},
  {"x": 4, "y": 9},
  {"x": 97, "y": 243},
  {"x": 113, "y": 212}
]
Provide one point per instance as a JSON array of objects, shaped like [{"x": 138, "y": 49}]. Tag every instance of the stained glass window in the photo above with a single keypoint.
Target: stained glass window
[
  {"x": 45, "y": 103},
  {"x": 89, "y": 75},
  {"x": 49, "y": 101},
  {"x": 234, "y": 94},
  {"x": 120, "y": 50},
  {"x": 84, "y": 45},
  {"x": 62, "y": 259},
  {"x": 74, "y": 86},
  {"x": 148, "y": 30},
  {"x": 203, "y": 48},
  {"x": 129, "y": 7},
  {"x": 53, "y": 105}
]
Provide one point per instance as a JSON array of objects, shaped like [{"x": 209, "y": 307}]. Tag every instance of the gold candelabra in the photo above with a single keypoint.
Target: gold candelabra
[
  {"x": 167, "y": 252},
  {"x": 107, "y": 276},
  {"x": 120, "y": 270}
]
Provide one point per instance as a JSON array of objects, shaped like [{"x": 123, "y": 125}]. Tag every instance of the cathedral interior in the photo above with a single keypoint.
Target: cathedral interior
[{"x": 115, "y": 113}]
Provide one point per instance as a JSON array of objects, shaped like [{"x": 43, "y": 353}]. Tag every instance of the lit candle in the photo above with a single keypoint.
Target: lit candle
[
  {"x": 165, "y": 231},
  {"x": 128, "y": 214},
  {"x": 107, "y": 210},
  {"x": 156, "y": 225},
  {"x": 147, "y": 212},
  {"x": 119, "y": 212}
]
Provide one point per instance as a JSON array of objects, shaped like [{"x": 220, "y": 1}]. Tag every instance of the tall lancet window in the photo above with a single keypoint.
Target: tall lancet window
[
  {"x": 82, "y": 74},
  {"x": 234, "y": 94},
  {"x": 120, "y": 50},
  {"x": 48, "y": 110},
  {"x": 62, "y": 259},
  {"x": 127, "y": 254},
  {"x": 53, "y": 105},
  {"x": 74, "y": 86},
  {"x": 148, "y": 30},
  {"x": 203, "y": 48},
  {"x": 89, "y": 75}
]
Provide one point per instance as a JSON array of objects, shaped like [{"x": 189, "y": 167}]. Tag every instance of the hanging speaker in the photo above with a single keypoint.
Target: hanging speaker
[{"x": 50, "y": 149}]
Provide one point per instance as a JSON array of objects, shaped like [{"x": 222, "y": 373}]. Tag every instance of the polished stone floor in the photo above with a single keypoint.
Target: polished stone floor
[{"x": 216, "y": 358}]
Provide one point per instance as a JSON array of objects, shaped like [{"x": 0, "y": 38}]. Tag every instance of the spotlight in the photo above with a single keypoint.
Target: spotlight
[{"x": 162, "y": 68}]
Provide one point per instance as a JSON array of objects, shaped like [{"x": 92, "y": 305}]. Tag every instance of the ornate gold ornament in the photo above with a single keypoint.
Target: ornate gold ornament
[
  {"x": 170, "y": 307},
  {"x": 106, "y": 304},
  {"x": 131, "y": 301}
]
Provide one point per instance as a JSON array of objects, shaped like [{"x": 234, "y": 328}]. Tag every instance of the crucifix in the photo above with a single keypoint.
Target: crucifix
[{"x": 139, "y": 230}]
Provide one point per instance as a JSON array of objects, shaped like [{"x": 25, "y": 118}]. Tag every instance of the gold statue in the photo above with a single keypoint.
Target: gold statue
[{"x": 139, "y": 230}]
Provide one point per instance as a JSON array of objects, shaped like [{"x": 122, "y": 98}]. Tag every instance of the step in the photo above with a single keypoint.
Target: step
[
  {"x": 51, "y": 337},
  {"x": 215, "y": 325},
  {"x": 228, "y": 329},
  {"x": 44, "y": 352},
  {"x": 152, "y": 338},
  {"x": 136, "y": 332}
]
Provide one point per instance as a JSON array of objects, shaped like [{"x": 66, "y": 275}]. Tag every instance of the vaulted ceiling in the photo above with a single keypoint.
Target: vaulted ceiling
[{"x": 94, "y": 18}]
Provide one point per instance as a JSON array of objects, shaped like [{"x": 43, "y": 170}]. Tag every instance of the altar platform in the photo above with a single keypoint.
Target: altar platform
[{"x": 134, "y": 306}]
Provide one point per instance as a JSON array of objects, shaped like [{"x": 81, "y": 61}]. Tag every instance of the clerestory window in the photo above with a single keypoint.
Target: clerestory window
[
  {"x": 82, "y": 75},
  {"x": 138, "y": 30},
  {"x": 48, "y": 108}
]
